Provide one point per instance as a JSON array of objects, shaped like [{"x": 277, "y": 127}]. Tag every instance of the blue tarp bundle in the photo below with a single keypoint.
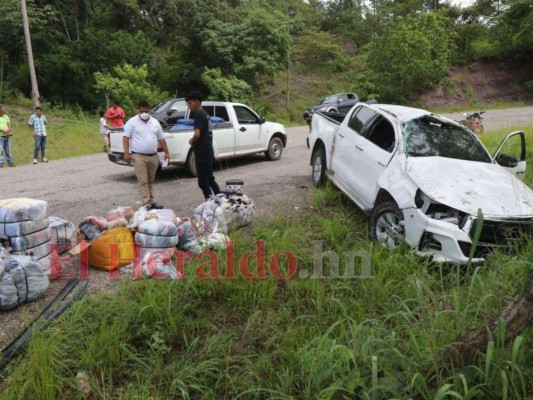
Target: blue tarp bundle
[{"x": 188, "y": 124}]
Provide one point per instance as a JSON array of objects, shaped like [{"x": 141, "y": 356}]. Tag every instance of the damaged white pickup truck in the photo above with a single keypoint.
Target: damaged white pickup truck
[{"x": 423, "y": 178}]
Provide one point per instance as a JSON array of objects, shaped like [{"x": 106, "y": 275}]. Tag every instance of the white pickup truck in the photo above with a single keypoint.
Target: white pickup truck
[
  {"x": 241, "y": 132},
  {"x": 423, "y": 178}
]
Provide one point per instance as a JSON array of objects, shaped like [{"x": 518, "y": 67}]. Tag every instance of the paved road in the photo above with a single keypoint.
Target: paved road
[
  {"x": 502, "y": 119},
  {"x": 78, "y": 187}
]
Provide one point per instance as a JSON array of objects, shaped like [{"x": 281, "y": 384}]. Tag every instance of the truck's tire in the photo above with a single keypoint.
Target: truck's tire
[
  {"x": 318, "y": 162},
  {"x": 275, "y": 149},
  {"x": 387, "y": 225},
  {"x": 190, "y": 164}
]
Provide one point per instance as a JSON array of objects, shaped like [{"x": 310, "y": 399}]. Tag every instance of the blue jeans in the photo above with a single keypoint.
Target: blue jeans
[
  {"x": 5, "y": 147},
  {"x": 40, "y": 144}
]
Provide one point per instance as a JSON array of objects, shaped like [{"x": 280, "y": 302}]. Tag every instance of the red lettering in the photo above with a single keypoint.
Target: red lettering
[
  {"x": 275, "y": 267},
  {"x": 260, "y": 257},
  {"x": 213, "y": 265}
]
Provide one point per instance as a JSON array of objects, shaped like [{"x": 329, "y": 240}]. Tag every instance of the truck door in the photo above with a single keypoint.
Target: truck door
[
  {"x": 248, "y": 129},
  {"x": 224, "y": 138},
  {"x": 347, "y": 151}
]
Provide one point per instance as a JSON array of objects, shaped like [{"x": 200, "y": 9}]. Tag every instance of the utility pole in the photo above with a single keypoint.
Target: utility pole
[{"x": 33, "y": 77}]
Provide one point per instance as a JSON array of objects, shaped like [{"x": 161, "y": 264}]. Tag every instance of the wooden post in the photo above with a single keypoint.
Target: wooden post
[{"x": 34, "y": 88}]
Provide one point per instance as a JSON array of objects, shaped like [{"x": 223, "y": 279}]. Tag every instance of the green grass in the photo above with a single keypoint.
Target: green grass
[
  {"x": 70, "y": 134},
  {"x": 371, "y": 338}
]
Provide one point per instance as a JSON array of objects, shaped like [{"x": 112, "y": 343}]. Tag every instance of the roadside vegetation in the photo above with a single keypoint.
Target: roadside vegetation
[
  {"x": 374, "y": 336},
  {"x": 71, "y": 132}
]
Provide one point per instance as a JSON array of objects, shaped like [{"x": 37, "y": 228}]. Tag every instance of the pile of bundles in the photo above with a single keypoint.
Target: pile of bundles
[
  {"x": 149, "y": 238},
  {"x": 21, "y": 280},
  {"x": 26, "y": 226},
  {"x": 156, "y": 237}
]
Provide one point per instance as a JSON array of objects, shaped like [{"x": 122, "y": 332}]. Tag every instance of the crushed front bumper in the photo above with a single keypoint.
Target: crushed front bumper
[{"x": 439, "y": 239}]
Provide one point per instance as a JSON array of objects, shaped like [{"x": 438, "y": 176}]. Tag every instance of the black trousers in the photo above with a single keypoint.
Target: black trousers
[{"x": 204, "y": 169}]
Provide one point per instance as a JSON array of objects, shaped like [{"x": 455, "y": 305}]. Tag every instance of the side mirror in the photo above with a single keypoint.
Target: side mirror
[
  {"x": 172, "y": 111},
  {"x": 339, "y": 100},
  {"x": 262, "y": 120},
  {"x": 507, "y": 161}
]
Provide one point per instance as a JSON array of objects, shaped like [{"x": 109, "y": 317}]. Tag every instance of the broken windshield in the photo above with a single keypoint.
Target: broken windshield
[{"x": 431, "y": 137}]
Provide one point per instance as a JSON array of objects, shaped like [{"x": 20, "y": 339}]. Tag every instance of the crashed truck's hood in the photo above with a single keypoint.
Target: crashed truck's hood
[{"x": 468, "y": 186}]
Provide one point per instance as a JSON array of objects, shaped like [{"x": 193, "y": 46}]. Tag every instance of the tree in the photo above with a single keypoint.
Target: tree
[
  {"x": 226, "y": 88},
  {"x": 412, "y": 54},
  {"x": 129, "y": 85}
]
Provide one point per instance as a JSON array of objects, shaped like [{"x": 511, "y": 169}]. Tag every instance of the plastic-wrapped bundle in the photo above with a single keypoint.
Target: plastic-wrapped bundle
[
  {"x": 21, "y": 243},
  {"x": 63, "y": 231},
  {"x": 158, "y": 228},
  {"x": 92, "y": 227},
  {"x": 187, "y": 238},
  {"x": 158, "y": 264},
  {"x": 45, "y": 264},
  {"x": 120, "y": 213},
  {"x": 215, "y": 241},
  {"x": 29, "y": 278},
  {"x": 117, "y": 223},
  {"x": 38, "y": 252},
  {"x": 160, "y": 242},
  {"x": 8, "y": 290},
  {"x": 22, "y": 209},
  {"x": 23, "y": 228},
  {"x": 142, "y": 215},
  {"x": 4, "y": 256}
]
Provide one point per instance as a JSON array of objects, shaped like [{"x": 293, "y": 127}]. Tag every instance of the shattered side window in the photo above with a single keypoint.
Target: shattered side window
[{"x": 431, "y": 137}]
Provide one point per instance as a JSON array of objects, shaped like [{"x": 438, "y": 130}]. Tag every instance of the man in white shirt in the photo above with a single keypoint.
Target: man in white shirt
[{"x": 142, "y": 136}]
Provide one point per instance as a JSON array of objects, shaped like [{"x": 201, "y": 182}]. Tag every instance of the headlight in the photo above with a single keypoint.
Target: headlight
[{"x": 436, "y": 210}]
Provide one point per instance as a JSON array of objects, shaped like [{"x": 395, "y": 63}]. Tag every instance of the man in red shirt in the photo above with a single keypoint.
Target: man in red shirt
[{"x": 116, "y": 115}]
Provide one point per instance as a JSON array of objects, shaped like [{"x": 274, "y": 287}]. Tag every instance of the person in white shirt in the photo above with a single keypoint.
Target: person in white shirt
[
  {"x": 104, "y": 130},
  {"x": 142, "y": 136}
]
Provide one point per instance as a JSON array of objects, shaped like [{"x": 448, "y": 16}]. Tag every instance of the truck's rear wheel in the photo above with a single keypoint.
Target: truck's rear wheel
[
  {"x": 275, "y": 149},
  {"x": 318, "y": 161},
  {"x": 190, "y": 164}
]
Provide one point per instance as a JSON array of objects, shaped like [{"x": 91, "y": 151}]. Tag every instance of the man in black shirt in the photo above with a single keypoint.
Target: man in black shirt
[{"x": 202, "y": 144}]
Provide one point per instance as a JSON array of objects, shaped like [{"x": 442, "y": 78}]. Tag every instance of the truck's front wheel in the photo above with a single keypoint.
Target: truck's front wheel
[
  {"x": 190, "y": 165},
  {"x": 275, "y": 149},
  {"x": 319, "y": 166}
]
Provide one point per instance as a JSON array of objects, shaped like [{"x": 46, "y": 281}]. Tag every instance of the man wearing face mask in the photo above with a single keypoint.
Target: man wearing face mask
[{"x": 142, "y": 135}]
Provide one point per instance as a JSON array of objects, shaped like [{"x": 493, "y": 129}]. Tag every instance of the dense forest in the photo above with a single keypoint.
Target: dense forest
[{"x": 86, "y": 50}]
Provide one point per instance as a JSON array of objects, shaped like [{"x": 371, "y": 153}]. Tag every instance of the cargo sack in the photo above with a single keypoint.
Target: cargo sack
[
  {"x": 45, "y": 263},
  {"x": 158, "y": 228},
  {"x": 8, "y": 290},
  {"x": 142, "y": 215},
  {"x": 22, "y": 209},
  {"x": 29, "y": 278},
  {"x": 23, "y": 228},
  {"x": 21, "y": 243},
  {"x": 187, "y": 238},
  {"x": 119, "y": 213},
  {"x": 117, "y": 223},
  {"x": 215, "y": 241},
  {"x": 100, "y": 250},
  {"x": 160, "y": 242},
  {"x": 63, "y": 232},
  {"x": 92, "y": 227},
  {"x": 38, "y": 252},
  {"x": 158, "y": 264}
]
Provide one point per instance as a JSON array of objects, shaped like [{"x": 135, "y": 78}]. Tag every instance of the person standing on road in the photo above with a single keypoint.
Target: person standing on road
[
  {"x": 202, "y": 144},
  {"x": 104, "y": 130},
  {"x": 5, "y": 138},
  {"x": 37, "y": 125},
  {"x": 142, "y": 135},
  {"x": 116, "y": 115}
]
